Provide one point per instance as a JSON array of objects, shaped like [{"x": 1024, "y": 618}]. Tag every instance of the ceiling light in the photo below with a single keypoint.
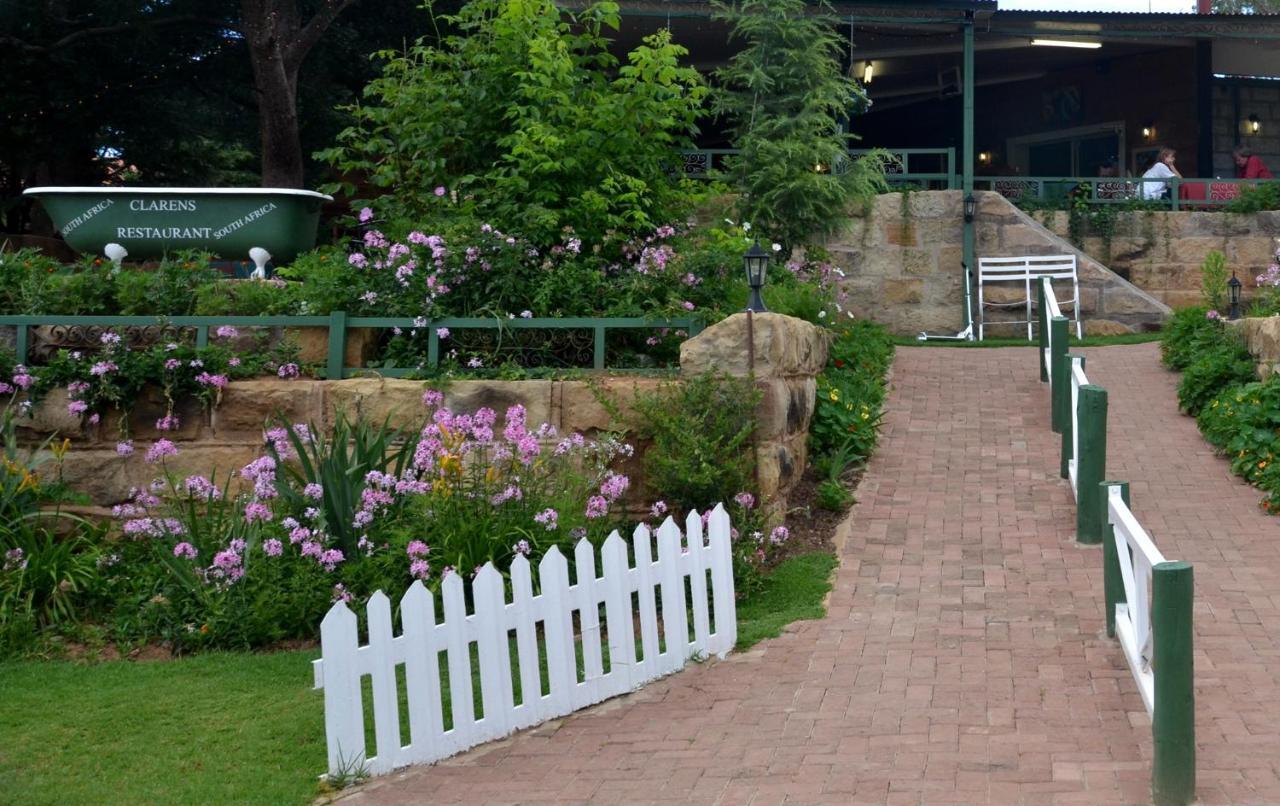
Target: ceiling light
[{"x": 1066, "y": 43}]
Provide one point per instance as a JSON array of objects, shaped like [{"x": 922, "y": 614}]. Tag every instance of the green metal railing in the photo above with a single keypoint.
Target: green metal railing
[
  {"x": 1183, "y": 193},
  {"x": 931, "y": 168},
  {"x": 338, "y": 325}
]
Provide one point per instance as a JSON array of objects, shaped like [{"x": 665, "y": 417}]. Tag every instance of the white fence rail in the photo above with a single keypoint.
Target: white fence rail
[
  {"x": 1138, "y": 555},
  {"x": 550, "y": 681},
  {"x": 1078, "y": 379}
]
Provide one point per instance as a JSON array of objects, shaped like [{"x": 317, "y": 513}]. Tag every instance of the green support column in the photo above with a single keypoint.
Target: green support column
[
  {"x": 966, "y": 179},
  {"x": 1091, "y": 465},
  {"x": 1173, "y": 726},
  {"x": 1061, "y": 371},
  {"x": 1112, "y": 581},
  {"x": 1042, "y": 331}
]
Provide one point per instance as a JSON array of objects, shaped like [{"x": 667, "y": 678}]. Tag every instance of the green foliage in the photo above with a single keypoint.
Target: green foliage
[
  {"x": 846, "y": 419},
  {"x": 245, "y": 298},
  {"x": 1216, "y": 367},
  {"x": 783, "y": 95},
  {"x": 1243, "y": 422},
  {"x": 1186, "y": 334},
  {"x": 1255, "y": 199},
  {"x": 1213, "y": 280},
  {"x": 525, "y": 117},
  {"x": 701, "y": 432}
]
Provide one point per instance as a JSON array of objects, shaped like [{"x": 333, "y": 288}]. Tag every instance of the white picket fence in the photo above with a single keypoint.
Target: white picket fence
[
  {"x": 1138, "y": 555},
  {"x": 345, "y": 662}
]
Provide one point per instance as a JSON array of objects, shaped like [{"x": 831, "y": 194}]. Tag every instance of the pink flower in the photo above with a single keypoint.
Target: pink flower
[
  {"x": 1212, "y": 315},
  {"x": 440, "y": 191},
  {"x": 549, "y": 519},
  {"x": 442, "y": 332},
  {"x": 366, "y": 215},
  {"x": 340, "y": 592},
  {"x": 185, "y": 550},
  {"x": 171, "y": 364},
  {"x": 779, "y": 535},
  {"x": 613, "y": 486},
  {"x": 158, "y": 451},
  {"x": 419, "y": 569},
  {"x": 77, "y": 407},
  {"x": 687, "y": 305},
  {"x": 102, "y": 368},
  {"x": 124, "y": 448},
  {"x": 272, "y": 547},
  {"x": 597, "y": 507},
  {"x": 226, "y": 332},
  {"x": 216, "y": 381},
  {"x": 658, "y": 509},
  {"x": 257, "y": 511},
  {"x": 169, "y": 422},
  {"x": 288, "y": 371},
  {"x": 417, "y": 548},
  {"x": 313, "y": 491},
  {"x": 521, "y": 547},
  {"x": 331, "y": 558},
  {"x": 745, "y": 500},
  {"x": 233, "y": 361}
]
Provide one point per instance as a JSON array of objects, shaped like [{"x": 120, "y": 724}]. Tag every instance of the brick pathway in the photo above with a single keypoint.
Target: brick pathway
[{"x": 963, "y": 657}]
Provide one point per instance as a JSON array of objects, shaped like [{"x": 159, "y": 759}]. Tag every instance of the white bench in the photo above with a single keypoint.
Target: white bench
[{"x": 1027, "y": 270}]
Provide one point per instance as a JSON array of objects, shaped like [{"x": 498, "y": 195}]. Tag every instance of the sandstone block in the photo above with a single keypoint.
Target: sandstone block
[
  {"x": 784, "y": 347},
  {"x": 1195, "y": 250},
  {"x": 900, "y": 233},
  {"x": 786, "y": 407},
  {"x": 576, "y": 407},
  {"x": 903, "y": 292},
  {"x": 1021, "y": 236},
  {"x": 1105, "y": 327},
  {"x": 50, "y": 416},
  {"x": 378, "y": 400},
  {"x": 950, "y": 259},
  {"x": 918, "y": 261},
  {"x": 468, "y": 396},
  {"x": 1121, "y": 301},
  {"x": 313, "y": 345},
  {"x": 247, "y": 405}
]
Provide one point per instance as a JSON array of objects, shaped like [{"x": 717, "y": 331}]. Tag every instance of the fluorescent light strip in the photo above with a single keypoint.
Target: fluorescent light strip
[{"x": 1066, "y": 43}]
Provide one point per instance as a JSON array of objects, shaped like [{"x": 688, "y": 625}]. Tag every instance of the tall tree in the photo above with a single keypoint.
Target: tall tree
[{"x": 279, "y": 40}]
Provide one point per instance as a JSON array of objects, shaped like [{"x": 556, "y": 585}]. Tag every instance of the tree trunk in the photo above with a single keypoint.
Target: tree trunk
[{"x": 278, "y": 43}]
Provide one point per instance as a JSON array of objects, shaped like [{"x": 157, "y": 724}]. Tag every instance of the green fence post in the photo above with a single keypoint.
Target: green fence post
[
  {"x": 1068, "y": 422},
  {"x": 1173, "y": 725},
  {"x": 20, "y": 345},
  {"x": 1061, "y": 371},
  {"x": 337, "y": 345},
  {"x": 1091, "y": 464},
  {"x": 1042, "y": 332},
  {"x": 598, "y": 358},
  {"x": 1112, "y": 581}
]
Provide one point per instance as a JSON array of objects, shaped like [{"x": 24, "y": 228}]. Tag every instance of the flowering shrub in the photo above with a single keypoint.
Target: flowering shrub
[
  {"x": 1241, "y": 422},
  {"x": 851, "y": 392},
  {"x": 1267, "y": 302},
  {"x": 260, "y": 556}
]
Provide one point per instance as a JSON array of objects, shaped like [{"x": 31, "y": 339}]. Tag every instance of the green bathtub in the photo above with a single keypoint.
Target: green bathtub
[{"x": 149, "y": 222}]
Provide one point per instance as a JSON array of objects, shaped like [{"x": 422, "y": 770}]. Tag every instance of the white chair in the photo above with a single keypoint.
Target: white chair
[{"x": 1027, "y": 270}]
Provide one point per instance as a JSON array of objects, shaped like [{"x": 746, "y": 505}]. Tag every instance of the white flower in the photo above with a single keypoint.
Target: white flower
[
  {"x": 822, "y": 314},
  {"x": 730, "y": 223},
  {"x": 746, "y": 226},
  {"x": 777, "y": 247},
  {"x": 840, "y": 272}
]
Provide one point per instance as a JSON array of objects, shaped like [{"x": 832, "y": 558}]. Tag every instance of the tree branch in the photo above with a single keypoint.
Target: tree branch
[
  {"x": 108, "y": 30},
  {"x": 310, "y": 34}
]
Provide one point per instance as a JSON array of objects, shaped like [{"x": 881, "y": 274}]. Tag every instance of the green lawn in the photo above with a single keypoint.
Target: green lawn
[{"x": 226, "y": 728}]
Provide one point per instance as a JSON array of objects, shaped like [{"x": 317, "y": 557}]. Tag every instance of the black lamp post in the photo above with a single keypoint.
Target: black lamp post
[
  {"x": 756, "y": 261},
  {"x": 970, "y": 207},
  {"x": 1233, "y": 285}
]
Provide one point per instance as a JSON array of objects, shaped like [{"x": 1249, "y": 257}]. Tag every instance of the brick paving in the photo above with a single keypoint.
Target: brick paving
[{"x": 963, "y": 657}]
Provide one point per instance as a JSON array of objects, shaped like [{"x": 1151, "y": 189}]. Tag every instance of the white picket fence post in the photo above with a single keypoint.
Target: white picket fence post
[{"x": 345, "y": 662}]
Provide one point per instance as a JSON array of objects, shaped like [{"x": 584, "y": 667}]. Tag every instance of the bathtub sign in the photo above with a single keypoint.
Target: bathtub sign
[{"x": 150, "y": 222}]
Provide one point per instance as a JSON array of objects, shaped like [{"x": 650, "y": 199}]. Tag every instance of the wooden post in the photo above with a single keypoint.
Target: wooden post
[
  {"x": 1112, "y": 582},
  {"x": 337, "y": 345},
  {"x": 1091, "y": 464},
  {"x": 1061, "y": 371},
  {"x": 1173, "y": 725}
]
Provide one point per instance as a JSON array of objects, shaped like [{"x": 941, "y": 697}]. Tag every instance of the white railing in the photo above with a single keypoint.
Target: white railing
[
  {"x": 546, "y": 680},
  {"x": 1078, "y": 379},
  {"x": 1138, "y": 555},
  {"x": 1051, "y": 311}
]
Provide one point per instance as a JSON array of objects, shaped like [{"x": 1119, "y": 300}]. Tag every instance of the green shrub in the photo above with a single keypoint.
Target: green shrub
[
  {"x": 1187, "y": 333},
  {"x": 850, "y": 395},
  {"x": 1243, "y": 422},
  {"x": 1213, "y": 280},
  {"x": 1225, "y": 363},
  {"x": 246, "y": 298}
]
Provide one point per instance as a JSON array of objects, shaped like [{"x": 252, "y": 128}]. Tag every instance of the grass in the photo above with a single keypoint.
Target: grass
[
  {"x": 217, "y": 728},
  {"x": 227, "y": 727},
  {"x": 1087, "y": 341}
]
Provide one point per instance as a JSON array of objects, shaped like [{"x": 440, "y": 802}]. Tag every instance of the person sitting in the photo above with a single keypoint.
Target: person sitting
[
  {"x": 1249, "y": 165},
  {"x": 1162, "y": 168}
]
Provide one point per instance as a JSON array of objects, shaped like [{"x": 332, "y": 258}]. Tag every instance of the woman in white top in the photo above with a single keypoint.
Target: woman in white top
[{"x": 1161, "y": 169}]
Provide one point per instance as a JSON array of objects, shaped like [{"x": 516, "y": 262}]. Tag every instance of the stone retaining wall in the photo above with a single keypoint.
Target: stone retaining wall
[
  {"x": 789, "y": 354},
  {"x": 903, "y": 266},
  {"x": 1161, "y": 252},
  {"x": 1262, "y": 337}
]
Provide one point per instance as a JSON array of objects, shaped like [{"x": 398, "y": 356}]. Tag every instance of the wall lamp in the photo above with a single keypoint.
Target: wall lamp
[
  {"x": 868, "y": 72},
  {"x": 1255, "y": 124}
]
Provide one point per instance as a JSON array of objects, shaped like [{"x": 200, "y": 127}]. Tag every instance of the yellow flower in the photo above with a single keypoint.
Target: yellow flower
[
  {"x": 60, "y": 451},
  {"x": 1262, "y": 464},
  {"x": 834, "y": 395},
  {"x": 865, "y": 416}
]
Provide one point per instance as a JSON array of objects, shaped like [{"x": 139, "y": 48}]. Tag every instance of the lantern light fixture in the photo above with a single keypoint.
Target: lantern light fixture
[
  {"x": 756, "y": 262},
  {"x": 1255, "y": 124},
  {"x": 1233, "y": 286},
  {"x": 868, "y": 72},
  {"x": 970, "y": 208}
]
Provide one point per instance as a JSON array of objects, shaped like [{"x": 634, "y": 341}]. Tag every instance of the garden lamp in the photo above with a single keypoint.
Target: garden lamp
[
  {"x": 116, "y": 254},
  {"x": 1233, "y": 285},
  {"x": 970, "y": 207},
  {"x": 756, "y": 261}
]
